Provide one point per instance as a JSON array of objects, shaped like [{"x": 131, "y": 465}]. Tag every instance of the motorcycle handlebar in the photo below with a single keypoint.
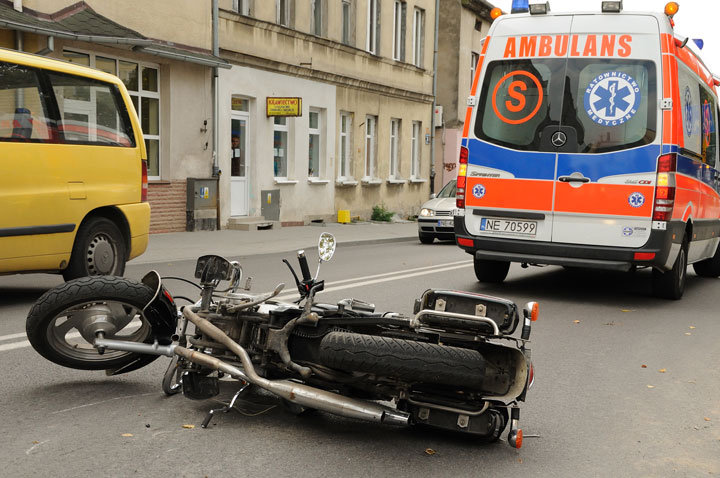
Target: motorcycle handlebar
[{"x": 304, "y": 268}]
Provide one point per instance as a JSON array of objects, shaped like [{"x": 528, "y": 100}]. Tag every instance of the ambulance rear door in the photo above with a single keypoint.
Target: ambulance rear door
[{"x": 608, "y": 140}]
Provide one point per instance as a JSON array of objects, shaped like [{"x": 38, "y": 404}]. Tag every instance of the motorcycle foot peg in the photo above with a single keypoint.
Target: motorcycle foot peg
[{"x": 515, "y": 436}]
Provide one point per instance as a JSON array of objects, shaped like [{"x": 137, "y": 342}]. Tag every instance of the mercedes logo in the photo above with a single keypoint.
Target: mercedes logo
[{"x": 559, "y": 139}]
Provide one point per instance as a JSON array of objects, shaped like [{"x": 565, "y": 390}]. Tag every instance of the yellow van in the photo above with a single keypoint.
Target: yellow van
[{"x": 73, "y": 170}]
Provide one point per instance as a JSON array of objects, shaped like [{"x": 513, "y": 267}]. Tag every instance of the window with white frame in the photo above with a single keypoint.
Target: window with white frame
[
  {"x": 142, "y": 80},
  {"x": 370, "y": 146},
  {"x": 242, "y": 6},
  {"x": 399, "y": 10},
  {"x": 345, "y": 169},
  {"x": 283, "y": 9},
  {"x": 280, "y": 147},
  {"x": 347, "y": 24},
  {"x": 415, "y": 150},
  {"x": 372, "y": 27},
  {"x": 314, "y": 144},
  {"x": 394, "y": 149},
  {"x": 317, "y": 16},
  {"x": 474, "y": 58},
  {"x": 418, "y": 36}
]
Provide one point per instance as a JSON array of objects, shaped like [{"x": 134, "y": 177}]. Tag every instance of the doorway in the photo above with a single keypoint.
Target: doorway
[{"x": 239, "y": 166}]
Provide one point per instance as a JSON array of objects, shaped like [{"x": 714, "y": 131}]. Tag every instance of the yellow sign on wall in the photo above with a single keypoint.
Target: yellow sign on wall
[{"x": 284, "y": 106}]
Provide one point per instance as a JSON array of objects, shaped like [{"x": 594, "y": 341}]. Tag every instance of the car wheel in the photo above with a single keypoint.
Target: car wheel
[
  {"x": 99, "y": 249},
  {"x": 426, "y": 238},
  {"x": 491, "y": 271},
  {"x": 671, "y": 284}
]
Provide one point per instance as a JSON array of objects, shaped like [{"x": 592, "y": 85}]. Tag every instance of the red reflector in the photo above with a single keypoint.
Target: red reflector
[
  {"x": 167, "y": 294},
  {"x": 464, "y": 154},
  {"x": 644, "y": 256},
  {"x": 465, "y": 242}
]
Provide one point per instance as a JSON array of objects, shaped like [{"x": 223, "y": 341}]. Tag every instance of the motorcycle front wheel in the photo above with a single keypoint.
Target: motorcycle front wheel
[{"x": 61, "y": 325}]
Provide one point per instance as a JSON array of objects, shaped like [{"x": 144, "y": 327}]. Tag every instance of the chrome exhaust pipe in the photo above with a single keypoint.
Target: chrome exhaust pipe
[{"x": 292, "y": 391}]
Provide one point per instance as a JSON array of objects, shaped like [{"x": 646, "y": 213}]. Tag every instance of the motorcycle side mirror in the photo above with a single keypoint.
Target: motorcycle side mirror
[
  {"x": 326, "y": 246},
  {"x": 326, "y": 250},
  {"x": 212, "y": 269}
]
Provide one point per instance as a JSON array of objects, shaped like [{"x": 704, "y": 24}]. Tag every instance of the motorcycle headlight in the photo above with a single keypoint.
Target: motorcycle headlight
[{"x": 426, "y": 212}]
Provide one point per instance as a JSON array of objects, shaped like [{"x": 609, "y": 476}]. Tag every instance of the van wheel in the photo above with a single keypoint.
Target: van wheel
[
  {"x": 425, "y": 238},
  {"x": 99, "y": 249},
  {"x": 709, "y": 267},
  {"x": 671, "y": 284},
  {"x": 491, "y": 271}
]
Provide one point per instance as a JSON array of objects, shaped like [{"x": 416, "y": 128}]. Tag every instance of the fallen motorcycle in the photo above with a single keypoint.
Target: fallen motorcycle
[{"x": 452, "y": 365}]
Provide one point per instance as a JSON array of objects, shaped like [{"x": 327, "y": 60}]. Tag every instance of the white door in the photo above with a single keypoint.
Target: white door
[{"x": 239, "y": 166}]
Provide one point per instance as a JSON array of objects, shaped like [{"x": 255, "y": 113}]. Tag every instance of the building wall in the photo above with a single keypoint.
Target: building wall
[
  {"x": 300, "y": 199},
  {"x": 156, "y": 19}
]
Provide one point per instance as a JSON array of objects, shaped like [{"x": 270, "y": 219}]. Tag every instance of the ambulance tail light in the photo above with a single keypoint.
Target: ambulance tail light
[
  {"x": 461, "y": 179},
  {"x": 665, "y": 187}
]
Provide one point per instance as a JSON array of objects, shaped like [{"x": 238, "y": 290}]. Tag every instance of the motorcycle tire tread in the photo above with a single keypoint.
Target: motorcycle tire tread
[
  {"x": 74, "y": 292},
  {"x": 406, "y": 360}
]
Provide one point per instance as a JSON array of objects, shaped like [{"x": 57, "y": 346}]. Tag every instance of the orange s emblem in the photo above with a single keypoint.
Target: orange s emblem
[
  {"x": 518, "y": 91},
  {"x": 516, "y": 95}
]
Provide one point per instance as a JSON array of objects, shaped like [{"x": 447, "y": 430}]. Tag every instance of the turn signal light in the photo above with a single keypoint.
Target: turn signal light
[
  {"x": 144, "y": 183},
  {"x": 671, "y": 8},
  {"x": 534, "y": 311},
  {"x": 495, "y": 13},
  {"x": 461, "y": 179}
]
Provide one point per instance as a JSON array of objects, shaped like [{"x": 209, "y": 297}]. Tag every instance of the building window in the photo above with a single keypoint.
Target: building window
[
  {"x": 345, "y": 170},
  {"x": 394, "y": 153},
  {"x": 347, "y": 34},
  {"x": 418, "y": 36},
  {"x": 280, "y": 145},
  {"x": 370, "y": 146},
  {"x": 142, "y": 81},
  {"x": 474, "y": 58},
  {"x": 372, "y": 27},
  {"x": 284, "y": 12},
  {"x": 317, "y": 17},
  {"x": 415, "y": 150},
  {"x": 242, "y": 6},
  {"x": 314, "y": 144},
  {"x": 399, "y": 30}
]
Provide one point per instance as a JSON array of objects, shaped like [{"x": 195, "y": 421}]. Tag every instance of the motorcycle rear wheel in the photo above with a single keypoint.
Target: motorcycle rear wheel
[{"x": 57, "y": 325}]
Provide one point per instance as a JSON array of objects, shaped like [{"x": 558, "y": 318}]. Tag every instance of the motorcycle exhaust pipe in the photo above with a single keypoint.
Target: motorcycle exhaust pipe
[{"x": 292, "y": 391}]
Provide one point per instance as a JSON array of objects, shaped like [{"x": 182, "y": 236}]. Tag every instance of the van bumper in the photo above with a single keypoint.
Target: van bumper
[
  {"x": 138, "y": 218},
  {"x": 663, "y": 244}
]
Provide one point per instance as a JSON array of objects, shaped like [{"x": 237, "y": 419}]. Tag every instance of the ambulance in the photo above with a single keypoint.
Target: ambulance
[{"x": 590, "y": 141}]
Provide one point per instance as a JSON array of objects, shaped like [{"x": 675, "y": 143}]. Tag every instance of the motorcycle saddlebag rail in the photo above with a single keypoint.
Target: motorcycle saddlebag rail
[{"x": 502, "y": 311}]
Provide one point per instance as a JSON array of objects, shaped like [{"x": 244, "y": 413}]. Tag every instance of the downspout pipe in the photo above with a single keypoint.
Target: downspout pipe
[
  {"x": 216, "y": 94},
  {"x": 434, "y": 94}
]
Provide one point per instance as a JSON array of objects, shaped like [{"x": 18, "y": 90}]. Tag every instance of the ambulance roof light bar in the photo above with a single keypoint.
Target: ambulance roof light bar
[
  {"x": 612, "y": 7},
  {"x": 539, "y": 8}
]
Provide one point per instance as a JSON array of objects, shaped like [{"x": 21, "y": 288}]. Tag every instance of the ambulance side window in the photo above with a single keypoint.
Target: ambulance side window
[{"x": 709, "y": 128}]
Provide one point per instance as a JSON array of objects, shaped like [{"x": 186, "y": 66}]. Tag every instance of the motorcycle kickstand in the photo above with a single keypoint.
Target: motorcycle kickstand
[{"x": 226, "y": 408}]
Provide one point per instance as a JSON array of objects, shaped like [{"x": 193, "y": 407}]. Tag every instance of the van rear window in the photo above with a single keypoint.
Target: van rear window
[{"x": 601, "y": 105}]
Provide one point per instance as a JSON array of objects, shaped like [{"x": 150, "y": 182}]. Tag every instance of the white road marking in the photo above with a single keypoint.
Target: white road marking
[{"x": 12, "y": 337}]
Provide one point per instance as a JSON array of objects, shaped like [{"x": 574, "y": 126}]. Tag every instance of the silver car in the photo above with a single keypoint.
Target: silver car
[{"x": 436, "y": 216}]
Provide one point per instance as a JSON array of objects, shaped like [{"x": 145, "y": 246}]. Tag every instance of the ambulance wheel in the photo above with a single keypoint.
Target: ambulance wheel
[
  {"x": 709, "y": 267},
  {"x": 491, "y": 271},
  {"x": 671, "y": 284}
]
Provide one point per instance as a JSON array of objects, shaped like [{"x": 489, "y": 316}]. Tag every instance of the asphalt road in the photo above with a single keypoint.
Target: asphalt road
[{"x": 626, "y": 385}]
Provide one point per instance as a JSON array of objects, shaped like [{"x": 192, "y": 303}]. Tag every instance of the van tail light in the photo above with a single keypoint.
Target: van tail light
[
  {"x": 461, "y": 179},
  {"x": 665, "y": 188},
  {"x": 144, "y": 186}
]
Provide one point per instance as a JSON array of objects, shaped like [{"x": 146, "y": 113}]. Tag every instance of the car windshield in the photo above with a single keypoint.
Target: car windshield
[{"x": 449, "y": 190}]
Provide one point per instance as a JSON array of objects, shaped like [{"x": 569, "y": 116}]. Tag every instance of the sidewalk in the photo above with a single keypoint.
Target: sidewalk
[{"x": 178, "y": 246}]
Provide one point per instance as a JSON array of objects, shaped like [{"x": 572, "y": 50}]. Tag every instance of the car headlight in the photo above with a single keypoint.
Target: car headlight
[{"x": 426, "y": 212}]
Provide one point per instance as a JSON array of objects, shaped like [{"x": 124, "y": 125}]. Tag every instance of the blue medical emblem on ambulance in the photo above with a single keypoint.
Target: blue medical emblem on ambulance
[
  {"x": 627, "y": 231},
  {"x": 636, "y": 199},
  {"x": 688, "y": 110},
  {"x": 478, "y": 191},
  {"x": 612, "y": 98}
]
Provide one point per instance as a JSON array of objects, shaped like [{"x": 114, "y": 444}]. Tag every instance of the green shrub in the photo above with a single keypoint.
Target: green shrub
[{"x": 379, "y": 213}]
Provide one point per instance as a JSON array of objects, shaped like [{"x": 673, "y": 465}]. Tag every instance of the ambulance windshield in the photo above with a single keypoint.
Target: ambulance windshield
[{"x": 599, "y": 105}]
